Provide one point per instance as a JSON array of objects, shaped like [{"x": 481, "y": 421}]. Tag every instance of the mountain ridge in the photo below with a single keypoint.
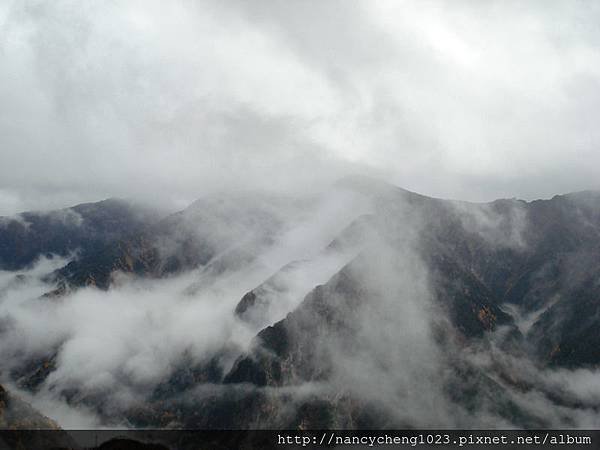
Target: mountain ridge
[{"x": 454, "y": 279}]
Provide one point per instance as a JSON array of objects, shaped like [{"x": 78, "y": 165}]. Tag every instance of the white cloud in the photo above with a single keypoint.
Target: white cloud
[{"x": 139, "y": 98}]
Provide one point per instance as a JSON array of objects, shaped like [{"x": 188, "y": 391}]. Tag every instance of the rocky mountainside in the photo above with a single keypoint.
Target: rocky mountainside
[
  {"x": 17, "y": 414},
  {"x": 416, "y": 312},
  {"x": 212, "y": 232},
  {"x": 491, "y": 268},
  {"x": 85, "y": 228}
]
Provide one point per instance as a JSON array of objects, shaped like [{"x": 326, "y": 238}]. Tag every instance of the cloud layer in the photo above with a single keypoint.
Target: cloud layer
[{"x": 463, "y": 100}]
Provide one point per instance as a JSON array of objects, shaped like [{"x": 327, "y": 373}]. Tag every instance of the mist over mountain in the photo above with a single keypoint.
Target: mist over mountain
[
  {"x": 363, "y": 306},
  {"x": 301, "y": 214}
]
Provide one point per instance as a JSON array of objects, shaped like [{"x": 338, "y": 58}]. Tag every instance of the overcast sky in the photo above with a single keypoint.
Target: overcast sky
[{"x": 472, "y": 100}]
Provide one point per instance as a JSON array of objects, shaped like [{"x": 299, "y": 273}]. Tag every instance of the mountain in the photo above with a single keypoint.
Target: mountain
[
  {"x": 85, "y": 228},
  {"x": 18, "y": 418},
  {"x": 211, "y": 232},
  {"x": 370, "y": 306},
  {"x": 17, "y": 414}
]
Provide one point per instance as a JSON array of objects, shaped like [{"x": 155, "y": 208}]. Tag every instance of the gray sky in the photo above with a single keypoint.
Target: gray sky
[{"x": 473, "y": 100}]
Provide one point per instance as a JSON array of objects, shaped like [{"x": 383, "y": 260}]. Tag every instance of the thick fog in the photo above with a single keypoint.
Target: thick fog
[
  {"x": 466, "y": 100},
  {"x": 195, "y": 100}
]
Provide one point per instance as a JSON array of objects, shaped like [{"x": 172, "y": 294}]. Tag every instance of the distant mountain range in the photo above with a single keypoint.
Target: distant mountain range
[{"x": 414, "y": 311}]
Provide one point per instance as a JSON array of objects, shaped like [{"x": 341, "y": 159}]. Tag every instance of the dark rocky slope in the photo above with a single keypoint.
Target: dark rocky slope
[
  {"x": 434, "y": 279},
  {"x": 17, "y": 414},
  {"x": 85, "y": 228}
]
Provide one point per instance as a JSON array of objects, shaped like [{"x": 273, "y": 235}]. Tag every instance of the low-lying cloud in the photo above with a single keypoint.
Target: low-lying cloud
[{"x": 116, "y": 346}]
